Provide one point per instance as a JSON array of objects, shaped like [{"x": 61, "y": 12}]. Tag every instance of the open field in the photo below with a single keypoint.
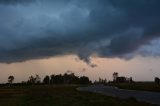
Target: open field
[
  {"x": 59, "y": 95},
  {"x": 139, "y": 86}
]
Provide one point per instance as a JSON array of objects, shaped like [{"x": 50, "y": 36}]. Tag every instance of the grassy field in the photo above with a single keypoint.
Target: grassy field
[
  {"x": 139, "y": 86},
  {"x": 58, "y": 96}
]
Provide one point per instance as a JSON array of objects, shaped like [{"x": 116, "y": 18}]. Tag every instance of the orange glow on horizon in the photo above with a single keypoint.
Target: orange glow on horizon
[{"x": 139, "y": 68}]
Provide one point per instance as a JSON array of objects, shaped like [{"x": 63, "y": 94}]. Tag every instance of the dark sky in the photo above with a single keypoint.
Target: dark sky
[{"x": 35, "y": 29}]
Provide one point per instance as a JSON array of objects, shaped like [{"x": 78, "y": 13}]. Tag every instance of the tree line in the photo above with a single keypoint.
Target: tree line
[
  {"x": 71, "y": 78},
  {"x": 67, "y": 78},
  {"x": 123, "y": 79}
]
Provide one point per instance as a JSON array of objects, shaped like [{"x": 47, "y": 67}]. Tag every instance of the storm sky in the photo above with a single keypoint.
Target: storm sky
[{"x": 40, "y": 29}]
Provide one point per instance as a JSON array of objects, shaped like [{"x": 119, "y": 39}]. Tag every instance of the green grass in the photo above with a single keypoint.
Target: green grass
[
  {"x": 58, "y": 96},
  {"x": 139, "y": 86}
]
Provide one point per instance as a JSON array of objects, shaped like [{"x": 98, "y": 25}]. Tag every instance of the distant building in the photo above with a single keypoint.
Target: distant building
[
  {"x": 157, "y": 80},
  {"x": 123, "y": 79}
]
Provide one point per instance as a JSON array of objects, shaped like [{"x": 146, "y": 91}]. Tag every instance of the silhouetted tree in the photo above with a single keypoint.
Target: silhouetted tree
[
  {"x": 102, "y": 81},
  {"x": 37, "y": 79},
  {"x": 57, "y": 79},
  {"x": 31, "y": 80},
  {"x": 10, "y": 79},
  {"x": 68, "y": 78},
  {"x": 131, "y": 80},
  {"x": 34, "y": 80},
  {"x": 52, "y": 79},
  {"x": 157, "y": 80},
  {"x": 115, "y": 76},
  {"x": 84, "y": 80},
  {"x": 46, "y": 80}
]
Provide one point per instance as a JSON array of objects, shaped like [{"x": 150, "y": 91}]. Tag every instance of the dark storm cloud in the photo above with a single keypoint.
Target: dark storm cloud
[
  {"x": 105, "y": 28},
  {"x": 10, "y": 2}
]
